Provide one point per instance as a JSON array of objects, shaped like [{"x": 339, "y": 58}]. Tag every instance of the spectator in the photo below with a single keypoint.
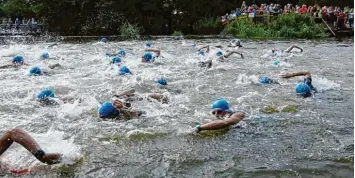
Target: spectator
[
  {"x": 303, "y": 10},
  {"x": 17, "y": 24},
  {"x": 351, "y": 18}
]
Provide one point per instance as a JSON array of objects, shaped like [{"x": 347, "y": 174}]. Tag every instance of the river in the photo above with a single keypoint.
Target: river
[{"x": 314, "y": 141}]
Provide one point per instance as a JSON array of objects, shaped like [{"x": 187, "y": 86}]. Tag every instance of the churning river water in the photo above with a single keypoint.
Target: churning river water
[{"x": 315, "y": 140}]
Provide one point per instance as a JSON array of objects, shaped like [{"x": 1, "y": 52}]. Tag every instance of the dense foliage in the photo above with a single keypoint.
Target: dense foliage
[
  {"x": 285, "y": 26},
  {"x": 156, "y": 17}
]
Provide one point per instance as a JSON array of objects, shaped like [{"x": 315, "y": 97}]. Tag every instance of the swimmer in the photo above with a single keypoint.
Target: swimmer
[
  {"x": 47, "y": 97},
  {"x": 116, "y": 60},
  {"x": 151, "y": 55},
  {"x": 305, "y": 88},
  {"x": 121, "y": 53},
  {"x": 104, "y": 40},
  {"x": 19, "y": 136},
  {"x": 16, "y": 62},
  {"x": 235, "y": 43},
  {"x": 42, "y": 70},
  {"x": 218, "y": 56},
  {"x": 124, "y": 70},
  {"x": 275, "y": 52},
  {"x": 120, "y": 105},
  {"x": 44, "y": 56},
  {"x": 226, "y": 117},
  {"x": 267, "y": 80}
]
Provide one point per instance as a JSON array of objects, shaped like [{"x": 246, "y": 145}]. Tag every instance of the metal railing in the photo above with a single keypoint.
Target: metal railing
[{"x": 22, "y": 29}]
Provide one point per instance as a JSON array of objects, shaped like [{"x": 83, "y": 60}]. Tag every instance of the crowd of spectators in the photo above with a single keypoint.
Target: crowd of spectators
[
  {"x": 24, "y": 24},
  {"x": 340, "y": 18}
]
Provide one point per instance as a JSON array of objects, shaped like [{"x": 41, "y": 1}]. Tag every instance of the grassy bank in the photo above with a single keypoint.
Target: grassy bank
[{"x": 284, "y": 26}]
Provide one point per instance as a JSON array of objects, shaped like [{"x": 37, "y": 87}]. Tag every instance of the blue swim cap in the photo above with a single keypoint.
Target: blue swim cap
[
  {"x": 17, "y": 60},
  {"x": 35, "y": 70},
  {"x": 124, "y": 70},
  {"x": 116, "y": 60},
  {"x": 122, "y": 53},
  {"x": 148, "y": 57},
  {"x": 44, "y": 94},
  {"x": 202, "y": 52},
  {"x": 162, "y": 81},
  {"x": 220, "y": 104},
  {"x": 303, "y": 89},
  {"x": 276, "y": 62},
  {"x": 264, "y": 80},
  {"x": 44, "y": 56},
  {"x": 104, "y": 40},
  {"x": 219, "y": 53},
  {"x": 147, "y": 44},
  {"x": 107, "y": 110}
]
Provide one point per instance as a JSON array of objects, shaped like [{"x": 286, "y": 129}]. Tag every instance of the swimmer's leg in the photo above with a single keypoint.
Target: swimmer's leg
[
  {"x": 289, "y": 49},
  {"x": 24, "y": 139}
]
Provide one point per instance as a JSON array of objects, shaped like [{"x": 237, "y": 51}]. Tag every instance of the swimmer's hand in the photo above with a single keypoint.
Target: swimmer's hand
[
  {"x": 52, "y": 158},
  {"x": 195, "y": 130}
]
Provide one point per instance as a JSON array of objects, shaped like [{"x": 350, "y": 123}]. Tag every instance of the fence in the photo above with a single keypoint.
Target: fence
[{"x": 13, "y": 29}]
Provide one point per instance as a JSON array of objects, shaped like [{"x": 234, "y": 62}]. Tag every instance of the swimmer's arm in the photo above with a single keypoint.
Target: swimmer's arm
[
  {"x": 220, "y": 124},
  {"x": 291, "y": 47},
  {"x": 126, "y": 93},
  {"x": 159, "y": 97},
  {"x": 7, "y": 66},
  {"x": 54, "y": 66},
  {"x": 203, "y": 47},
  {"x": 153, "y": 50},
  {"x": 232, "y": 52},
  {"x": 289, "y": 75}
]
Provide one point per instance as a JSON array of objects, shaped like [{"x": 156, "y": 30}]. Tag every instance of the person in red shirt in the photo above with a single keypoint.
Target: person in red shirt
[
  {"x": 303, "y": 9},
  {"x": 341, "y": 17}
]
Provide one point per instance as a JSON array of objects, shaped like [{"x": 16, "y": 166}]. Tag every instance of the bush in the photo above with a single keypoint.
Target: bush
[
  {"x": 132, "y": 31},
  {"x": 285, "y": 26},
  {"x": 207, "y": 26},
  {"x": 177, "y": 33}
]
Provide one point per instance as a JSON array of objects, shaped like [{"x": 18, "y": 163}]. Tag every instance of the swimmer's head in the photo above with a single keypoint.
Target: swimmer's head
[
  {"x": 264, "y": 80},
  {"x": 273, "y": 50},
  {"x": 276, "y": 62},
  {"x": 122, "y": 53},
  {"x": 125, "y": 70},
  {"x": 202, "y": 52},
  {"x": 303, "y": 90},
  {"x": 147, "y": 57},
  {"x": 103, "y": 39},
  {"x": 220, "y": 107},
  {"x": 162, "y": 81},
  {"x": 116, "y": 60},
  {"x": 219, "y": 53},
  {"x": 35, "y": 71},
  {"x": 147, "y": 44},
  {"x": 18, "y": 60},
  {"x": 45, "y": 95},
  {"x": 236, "y": 42},
  {"x": 44, "y": 55},
  {"x": 107, "y": 110}
]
